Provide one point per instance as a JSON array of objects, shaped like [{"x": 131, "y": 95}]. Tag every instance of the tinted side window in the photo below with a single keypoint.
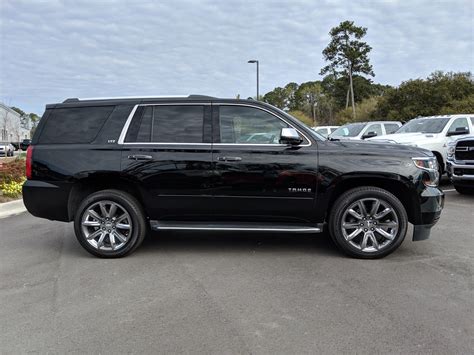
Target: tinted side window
[
  {"x": 322, "y": 131},
  {"x": 248, "y": 125},
  {"x": 144, "y": 131},
  {"x": 377, "y": 128},
  {"x": 167, "y": 124},
  {"x": 390, "y": 128},
  {"x": 74, "y": 125},
  {"x": 458, "y": 123},
  {"x": 178, "y": 124}
]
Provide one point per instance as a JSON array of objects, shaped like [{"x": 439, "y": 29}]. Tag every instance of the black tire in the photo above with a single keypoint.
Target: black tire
[
  {"x": 465, "y": 190},
  {"x": 441, "y": 168},
  {"x": 126, "y": 202},
  {"x": 339, "y": 211}
]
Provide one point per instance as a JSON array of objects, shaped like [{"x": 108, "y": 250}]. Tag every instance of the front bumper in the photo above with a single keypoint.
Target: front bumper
[
  {"x": 460, "y": 173},
  {"x": 432, "y": 203}
]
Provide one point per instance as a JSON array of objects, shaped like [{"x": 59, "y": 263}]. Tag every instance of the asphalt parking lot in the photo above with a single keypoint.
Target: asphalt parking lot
[{"x": 237, "y": 293}]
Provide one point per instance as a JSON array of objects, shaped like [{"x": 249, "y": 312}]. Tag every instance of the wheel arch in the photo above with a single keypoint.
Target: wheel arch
[
  {"x": 83, "y": 187},
  {"x": 440, "y": 159},
  {"x": 395, "y": 184}
]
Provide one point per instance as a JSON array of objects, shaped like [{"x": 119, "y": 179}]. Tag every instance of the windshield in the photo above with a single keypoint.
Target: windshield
[
  {"x": 348, "y": 130},
  {"x": 424, "y": 125}
]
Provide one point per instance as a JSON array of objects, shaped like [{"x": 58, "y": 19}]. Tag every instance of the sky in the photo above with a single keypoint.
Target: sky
[{"x": 55, "y": 49}]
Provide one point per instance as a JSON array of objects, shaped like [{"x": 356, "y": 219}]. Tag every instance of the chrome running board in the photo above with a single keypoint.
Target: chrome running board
[{"x": 233, "y": 226}]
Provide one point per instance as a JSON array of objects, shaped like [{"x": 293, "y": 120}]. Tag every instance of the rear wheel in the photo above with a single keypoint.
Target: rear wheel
[
  {"x": 368, "y": 222},
  {"x": 110, "y": 224},
  {"x": 465, "y": 190}
]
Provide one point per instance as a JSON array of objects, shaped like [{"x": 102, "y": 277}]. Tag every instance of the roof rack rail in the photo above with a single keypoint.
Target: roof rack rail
[
  {"x": 71, "y": 99},
  {"x": 192, "y": 96},
  {"x": 197, "y": 96}
]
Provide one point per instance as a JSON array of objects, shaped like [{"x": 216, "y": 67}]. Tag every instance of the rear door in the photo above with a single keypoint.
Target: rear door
[
  {"x": 259, "y": 179},
  {"x": 167, "y": 152}
]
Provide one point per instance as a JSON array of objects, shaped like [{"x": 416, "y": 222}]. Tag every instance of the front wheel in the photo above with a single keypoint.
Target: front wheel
[
  {"x": 368, "y": 222},
  {"x": 110, "y": 224}
]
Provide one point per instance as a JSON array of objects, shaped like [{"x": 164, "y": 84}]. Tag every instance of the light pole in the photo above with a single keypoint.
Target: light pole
[{"x": 251, "y": 62}]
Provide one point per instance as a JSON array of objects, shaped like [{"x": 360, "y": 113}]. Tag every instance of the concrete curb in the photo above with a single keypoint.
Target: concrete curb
[{"x": 11, "y": 208}]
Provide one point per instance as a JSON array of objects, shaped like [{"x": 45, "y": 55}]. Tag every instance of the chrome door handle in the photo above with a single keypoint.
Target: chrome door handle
[
  {"x": 140, "y": 157},
  {"x": 229, "y": 158}
]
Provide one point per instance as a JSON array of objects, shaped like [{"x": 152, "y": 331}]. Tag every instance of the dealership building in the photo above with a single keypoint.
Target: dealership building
[{"x": 10, "y": 125}]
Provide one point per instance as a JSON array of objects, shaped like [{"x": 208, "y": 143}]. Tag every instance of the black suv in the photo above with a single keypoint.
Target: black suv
[{"x": 119, "y": 167}]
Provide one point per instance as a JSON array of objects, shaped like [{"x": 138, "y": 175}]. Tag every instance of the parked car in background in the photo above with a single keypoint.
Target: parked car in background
[
  {"x": 325, "y": 130},
  {"x": 460, "y": 164},
  {"x": 433, "y": 133},
  {"x": 25, "y": 143},
  {"x": 6, "y": 149},
  {"x": 120, "y": 167},
  {"x": 364, "y": 130}
]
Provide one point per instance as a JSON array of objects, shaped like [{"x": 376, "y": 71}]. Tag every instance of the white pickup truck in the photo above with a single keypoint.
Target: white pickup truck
[{"x": 432, "y": 133}]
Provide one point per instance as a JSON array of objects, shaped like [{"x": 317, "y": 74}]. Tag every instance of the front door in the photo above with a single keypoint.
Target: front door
[
  {"x": 167, "y": 154},
  {"x": 257, "y": 178}
]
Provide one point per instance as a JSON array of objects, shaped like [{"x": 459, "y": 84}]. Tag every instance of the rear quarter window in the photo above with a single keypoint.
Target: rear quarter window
[{"x": 74, "y": 125}]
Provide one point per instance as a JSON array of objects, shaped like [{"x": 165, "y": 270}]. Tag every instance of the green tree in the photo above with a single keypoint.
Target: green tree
[
  {"x": 347, "y": 55},
  {"x": 303, "y": 117},
  {"x": 363, "y": 89},
  {"x": 465, "y": 105},
  {"x": 315, "y": 102},
  {"x": 365, "y": 111},
  {"x": 308, "y": 96},
  {"x": 427, "y": 97},
  {"x": 20, "y": 111},
  {"x": 283, "y": 98},
  {"x": 277, "y": 97}
]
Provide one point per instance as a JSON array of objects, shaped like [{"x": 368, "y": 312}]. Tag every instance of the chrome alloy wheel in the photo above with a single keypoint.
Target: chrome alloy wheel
[
  {"x": 370, "y": 224},
  {"x": 106, "y": 225}
]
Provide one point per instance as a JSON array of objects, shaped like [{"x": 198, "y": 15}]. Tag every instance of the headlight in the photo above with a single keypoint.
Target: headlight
[
  {"x": 426, "y": 163},
  {"x": 451, "y": 149},
  {"x": 430, "y": 168}
]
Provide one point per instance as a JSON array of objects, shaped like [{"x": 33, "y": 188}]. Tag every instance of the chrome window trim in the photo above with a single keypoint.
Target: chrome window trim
[
  {"x": 265, "y": 144},
  {"x": 254, "y": 145},
  {"x": 126, "y": 126},
  {"x": 171, "y": 143}
]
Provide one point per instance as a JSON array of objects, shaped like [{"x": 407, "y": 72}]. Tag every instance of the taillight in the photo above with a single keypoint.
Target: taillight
[{"x": 29, "y": 154}]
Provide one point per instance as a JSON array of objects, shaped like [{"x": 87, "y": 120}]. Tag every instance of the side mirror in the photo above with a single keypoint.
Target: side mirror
[
  {"x": 369, "y": 135},
  {"x": 290, "y": 136},
  {"x": 458, "y": 131}
]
